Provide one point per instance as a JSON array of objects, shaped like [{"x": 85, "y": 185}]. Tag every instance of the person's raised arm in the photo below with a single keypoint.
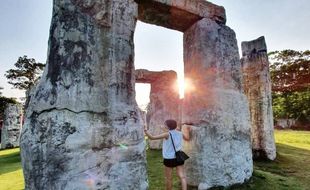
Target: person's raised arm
[
  {"x": 156, "y": 137},
  {"x": 186, "y": 132}
]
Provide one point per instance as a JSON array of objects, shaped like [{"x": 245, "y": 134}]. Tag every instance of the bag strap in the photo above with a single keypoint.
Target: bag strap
[{"x": 172, "y": 142}]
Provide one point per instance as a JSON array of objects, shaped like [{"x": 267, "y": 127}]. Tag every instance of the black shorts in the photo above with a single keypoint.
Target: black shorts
[{"x": 171, "y": 163}]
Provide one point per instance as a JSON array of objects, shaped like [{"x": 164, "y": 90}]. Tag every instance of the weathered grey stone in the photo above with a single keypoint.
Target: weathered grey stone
[
  {"x": 257, "y": 85},
  {"x": 164, "y": 100},
  {"x": 179, "y": 14},
  {"x": 285, "y": 123},
  {"x": 216, "y": 107},
  {"x": 29, "y": 94},
  {"x": 83, "y": 129},
  {"x": 12, "y": 125},
  {"x": 143, "y": 116}
]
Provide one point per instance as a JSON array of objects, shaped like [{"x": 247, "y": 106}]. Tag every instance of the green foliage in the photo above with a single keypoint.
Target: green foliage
[
  {"x": 290, "y": 70},
  {"x": 290, "y": 76},
  {"x": 27, "y": 72},
  {"x": 1, "y": 88},
  {"x": 290, "y": 170},
  {"x": 292, "y": 105},
  {"x": 3, "y": 102}
]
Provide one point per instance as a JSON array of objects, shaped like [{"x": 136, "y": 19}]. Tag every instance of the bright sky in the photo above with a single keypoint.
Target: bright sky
[{"x": 25, "y": 29}]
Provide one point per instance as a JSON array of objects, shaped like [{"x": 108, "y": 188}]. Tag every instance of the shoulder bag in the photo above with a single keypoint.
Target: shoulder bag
[{"x": 179, "y": 155}]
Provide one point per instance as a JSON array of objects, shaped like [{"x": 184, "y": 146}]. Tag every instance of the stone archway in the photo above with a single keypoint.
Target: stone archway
[
  {"x": 84, "y": 112},
  {"x": 164, "y": 100}
]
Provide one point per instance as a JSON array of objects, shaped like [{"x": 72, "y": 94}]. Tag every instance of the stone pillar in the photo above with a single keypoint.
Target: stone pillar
[
  {"x": 83, "y": 129},
  {"x": 257, "y": 85},
  {"x": 12, "y": 125},
  {"x": 164, "y": 100},
  {"x": 216, "y": 107}
]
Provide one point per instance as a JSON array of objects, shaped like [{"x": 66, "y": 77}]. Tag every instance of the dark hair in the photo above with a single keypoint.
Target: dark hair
[{"x": 171, "y": 124}]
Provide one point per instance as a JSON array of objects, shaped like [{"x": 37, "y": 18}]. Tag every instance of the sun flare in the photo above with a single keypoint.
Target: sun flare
[{"x": 185, "y": 85}]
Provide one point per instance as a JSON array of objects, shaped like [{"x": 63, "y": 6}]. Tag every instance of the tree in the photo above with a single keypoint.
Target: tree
[
  {"x": 290, "y": 76},
  {"x": 290, "y": 70},
  {"x": 293, "y": 105},
  {"x": 27, "y": 72},
  {"x": 1, "y": 88}
]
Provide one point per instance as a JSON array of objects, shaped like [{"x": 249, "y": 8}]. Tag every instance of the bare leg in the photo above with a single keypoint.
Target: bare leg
[
  {"x": 181, "y": 175},
  {"x": 168, "y": 178}
]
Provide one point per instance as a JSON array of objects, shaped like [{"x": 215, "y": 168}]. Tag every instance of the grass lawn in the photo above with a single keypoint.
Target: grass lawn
[
  {"x": 290, "y": 171},
  {"x": 11, "y": 175}
]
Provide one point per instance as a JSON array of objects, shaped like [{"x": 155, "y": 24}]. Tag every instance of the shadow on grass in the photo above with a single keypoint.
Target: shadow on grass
[
  {"x": 9, "y": 162},
  {"x": 290, "y": 171}
]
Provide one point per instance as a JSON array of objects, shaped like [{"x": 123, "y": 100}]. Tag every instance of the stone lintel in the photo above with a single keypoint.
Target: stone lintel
[
  {"x": 179, "y": 15},
  {"x": 146, "y": 76}
]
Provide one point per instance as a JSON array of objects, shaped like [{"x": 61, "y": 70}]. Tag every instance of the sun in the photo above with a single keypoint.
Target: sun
[{"x": 184, "y": 85}]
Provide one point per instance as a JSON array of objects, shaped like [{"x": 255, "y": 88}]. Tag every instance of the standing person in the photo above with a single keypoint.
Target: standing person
[{"x": 169, "y": 152}]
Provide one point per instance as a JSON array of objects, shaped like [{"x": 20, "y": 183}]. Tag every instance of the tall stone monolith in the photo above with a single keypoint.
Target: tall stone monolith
[
  {"x": 12, "y": 125},
  {"x": 257, "y": 85},
  {"x": 82, "y": 128},
  {"x": 216, "y": 108}
]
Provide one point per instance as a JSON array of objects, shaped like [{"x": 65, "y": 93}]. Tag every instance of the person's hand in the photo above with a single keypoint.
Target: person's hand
[
  {"x": 145, "y": 131},
  {"x": 186, "y": 132},
  {"x": 189, "y": 128},
  {"x": 163, "y": 128},
  {"x": 145, "y": 127}
]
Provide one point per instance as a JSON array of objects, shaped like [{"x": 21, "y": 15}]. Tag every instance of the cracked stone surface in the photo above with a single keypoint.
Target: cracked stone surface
[
  {"x": 257, "y": 85},
  {"x": 83, "y": 129},
  {"x": 164, "y": 100},
  {"x": 220, "y": 145},
  {"x": 12, "y": 125}
]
